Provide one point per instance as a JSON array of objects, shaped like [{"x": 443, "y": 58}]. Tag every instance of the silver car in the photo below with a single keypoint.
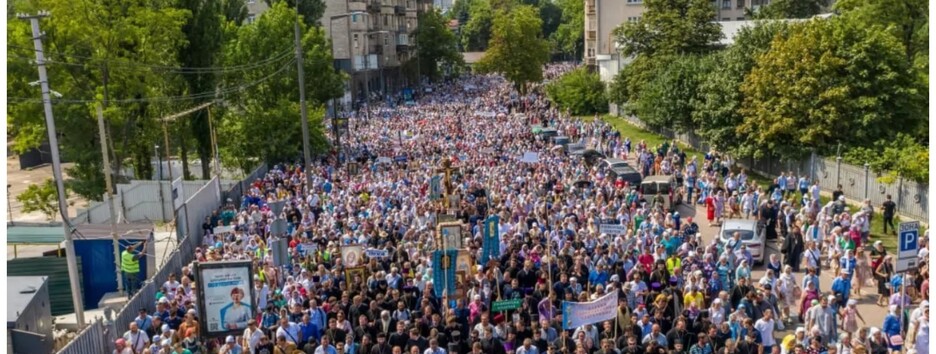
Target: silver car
[{"x": 756, "y": 244}]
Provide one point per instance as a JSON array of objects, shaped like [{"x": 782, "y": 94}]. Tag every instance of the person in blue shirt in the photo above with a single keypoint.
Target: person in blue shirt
[
  {"x": 842, "y": 286},
  {"x": 891, "y": 326}
]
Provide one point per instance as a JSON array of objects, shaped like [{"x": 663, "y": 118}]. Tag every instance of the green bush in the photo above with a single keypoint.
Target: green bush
[
  {"x": 580, "y": 92},
  {"x": 41, "y": 197}
]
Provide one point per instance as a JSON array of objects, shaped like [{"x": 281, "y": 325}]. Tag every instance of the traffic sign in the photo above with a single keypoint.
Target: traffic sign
[
  {"x": 909, "y": 239},
  {"x": 905, "y": 264}
]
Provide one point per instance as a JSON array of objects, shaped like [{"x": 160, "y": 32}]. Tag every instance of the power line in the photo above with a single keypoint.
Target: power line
[
  {"x": 209, "y": 94},
  {"x": 165, "y": 68}
]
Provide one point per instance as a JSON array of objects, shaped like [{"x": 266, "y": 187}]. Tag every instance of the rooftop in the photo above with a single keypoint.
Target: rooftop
[{"x": 20, "y": 292}]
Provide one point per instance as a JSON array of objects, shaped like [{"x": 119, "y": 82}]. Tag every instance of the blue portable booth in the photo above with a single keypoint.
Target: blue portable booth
[{"x": 94, "y": 245}]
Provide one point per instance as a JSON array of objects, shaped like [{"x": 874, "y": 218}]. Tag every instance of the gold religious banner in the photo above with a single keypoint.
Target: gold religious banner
[
  {"x": 463, "y": 266},
  {"x": 449, "y": 235},
  {"x": 355, "y": 275}
]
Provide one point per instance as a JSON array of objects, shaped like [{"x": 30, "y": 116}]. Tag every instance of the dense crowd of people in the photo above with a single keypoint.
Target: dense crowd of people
[{"x": 677, "y": 293}]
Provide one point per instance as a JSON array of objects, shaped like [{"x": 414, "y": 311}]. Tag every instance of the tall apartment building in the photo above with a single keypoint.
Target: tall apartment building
[
  {"x": 371, "y": 39},
  {"x": 603, "y": 16}
]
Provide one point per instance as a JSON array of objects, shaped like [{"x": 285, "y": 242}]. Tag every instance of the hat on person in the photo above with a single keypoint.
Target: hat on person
[
  {"x": 157, "y": 339},
  {"x": 800, "y": 329},
  {"x": 615, "y": 278},
  {"x": 230, "y": 339},
  {"x": 831, "y": 298}
]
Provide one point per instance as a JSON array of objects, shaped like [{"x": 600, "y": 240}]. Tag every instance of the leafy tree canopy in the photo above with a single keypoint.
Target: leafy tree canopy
[
  {"x": 517, "y": 48},
  {"x": 780, "y": 9},
  {"x": 670, "y": 27},
  {"x": 669, "y": 97},
  {"x": 580, "y": 92},
  {"x": 570, "y": 36},
  {"x": 437, "y": 45},
  {"x": 830, "y": 82},
  {"x": 715, "y": 113},
  {"x": 903, "y": 156}
]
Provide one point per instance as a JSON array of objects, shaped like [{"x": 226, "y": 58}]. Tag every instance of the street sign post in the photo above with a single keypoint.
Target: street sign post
[{"x": 908, "y": 243}]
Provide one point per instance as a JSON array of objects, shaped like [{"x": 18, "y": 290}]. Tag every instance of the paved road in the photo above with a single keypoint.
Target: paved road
[{"x": 873, "y": 314}]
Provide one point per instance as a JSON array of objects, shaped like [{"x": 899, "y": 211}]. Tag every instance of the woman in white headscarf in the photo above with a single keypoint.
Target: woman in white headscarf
[{"x": 786, "y": 287}]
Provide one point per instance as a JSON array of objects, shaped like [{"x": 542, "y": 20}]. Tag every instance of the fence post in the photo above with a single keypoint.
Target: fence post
[
  {"x": 867, "y": 180},
  {"x": 123, "y": 202},
  {"x": 812, "y": 166},
  {"x": 899, "y": 191},
  {"x": 838, "y": 171}
]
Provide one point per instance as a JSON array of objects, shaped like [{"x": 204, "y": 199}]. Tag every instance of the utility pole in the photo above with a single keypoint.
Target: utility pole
[
  {"x": 71, "y": 258},
  {"x": 302, "y": 104},
  {"x": 214, "y": 146},
  {"x": 110, "y": 196}
]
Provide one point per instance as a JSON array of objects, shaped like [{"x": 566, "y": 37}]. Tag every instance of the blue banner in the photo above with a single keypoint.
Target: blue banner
[
  {"x": 490, "y": 247},
  {"x": 577, "y": 314},
  {"x": 443, "y": 271}
]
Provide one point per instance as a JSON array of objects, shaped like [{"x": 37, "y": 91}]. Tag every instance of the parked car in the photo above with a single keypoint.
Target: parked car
[
  {"x": 614, "y": 163},
  {"x": 626, "y": 173},
  {"x": 661, "y": 188},
  {"x": 755, "y": 242}
]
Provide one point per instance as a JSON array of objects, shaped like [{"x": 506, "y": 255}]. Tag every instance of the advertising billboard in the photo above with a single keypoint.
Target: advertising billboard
[{"x": 226, "y": 297}]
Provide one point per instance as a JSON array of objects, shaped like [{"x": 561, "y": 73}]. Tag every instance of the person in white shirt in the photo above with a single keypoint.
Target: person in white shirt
[
  {"x": 251, "y": 336},
  {"x": 527, "y": 348},
  {"x": 765, "y": 326},
  {"x": 289, "y": 330},
  {"x": 136, "y": 339},
  {"x": 434, "y": 347}
]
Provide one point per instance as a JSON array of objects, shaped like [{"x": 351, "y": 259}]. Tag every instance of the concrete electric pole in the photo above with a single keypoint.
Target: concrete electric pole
[{"x": 57, "y": 166}]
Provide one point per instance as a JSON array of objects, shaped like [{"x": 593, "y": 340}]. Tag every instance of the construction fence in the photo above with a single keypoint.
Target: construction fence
[
  {"x": 858, "y": 182},
  {"x": 97, "y": 337}
]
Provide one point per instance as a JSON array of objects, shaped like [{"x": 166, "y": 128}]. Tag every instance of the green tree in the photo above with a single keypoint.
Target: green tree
[
  {"x": 670, "y": 27},
  {"x": 476, "y": 32},
  {"x": 830, "y": 82},
  {"x": 310, "y": 10},
  {"x": 517, "y": 48},
  {"x": 117, "y": 49},
  {"x": 570, "y": 36},
  {"x": 551, "y": 14},
  {"x": 780, "y": 9},
  {"x": 263, "y": 123},
  {"x": 580, "y": 92},
  {"x": 629, "y": 83},
  {"x": 437, "y": 47},
  {"x": 716, "y": 111},
  {"x": 903, "y": 156},
  {"x": 668, "y": 100},
  {"x": 205, "y": 34},
  {"x": 907, "y": 20},
  {"x": 41, "y": 197}
]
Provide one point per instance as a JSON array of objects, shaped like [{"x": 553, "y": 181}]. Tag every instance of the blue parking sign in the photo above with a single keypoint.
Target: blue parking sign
[{"x": 909, "y": 239}]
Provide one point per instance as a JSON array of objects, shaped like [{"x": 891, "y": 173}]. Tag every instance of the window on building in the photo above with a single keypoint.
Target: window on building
[
  {"x": 740, "y": 4},
  {"x": 354, "y": 18},
  {"x": 726, "y": 18},
  {"x": 251, "y": 18},
  {"x": 355, "y": 40},
  {"x": 386, "y": 40},
  {"x": 386, "y": 20},
  {"x": 726, "y": 4},
  {"x": 633, "y": 18},
  {"x": 634, "y": 1},
  {"x": 740, "y": 18},
  {"x": 251, "y": 1}
]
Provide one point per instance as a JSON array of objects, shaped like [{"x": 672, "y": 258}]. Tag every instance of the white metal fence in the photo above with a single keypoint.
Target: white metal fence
[
  {"x": 97, "y": 337},
  {"x": 139, "y": 201},
  {"x": 858, "y": 182}
]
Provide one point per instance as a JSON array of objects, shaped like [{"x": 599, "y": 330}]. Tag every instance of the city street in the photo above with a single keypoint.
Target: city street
[{"x": 873, "y": 314}]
